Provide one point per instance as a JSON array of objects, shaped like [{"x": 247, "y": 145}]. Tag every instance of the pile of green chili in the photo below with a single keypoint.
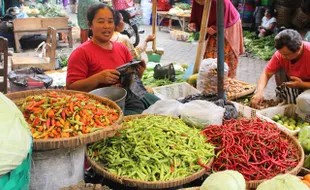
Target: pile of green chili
[{"x": 153, "y": 148}]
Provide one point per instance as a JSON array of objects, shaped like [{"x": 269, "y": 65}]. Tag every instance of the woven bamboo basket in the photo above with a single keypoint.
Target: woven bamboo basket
[
  {"x": 300, "y": 19},
  {"x": 99, "y": 168},
  {"x": 48, "y": 144},
  {"x": 250, "y": 90},
  {"x": 254, "y": 183}
]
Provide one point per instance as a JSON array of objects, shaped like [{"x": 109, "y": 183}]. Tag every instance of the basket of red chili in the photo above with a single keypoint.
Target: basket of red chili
[
  {"x": 64, "y": 118},
  {"x": 257, "y": 149},
  {"x": 152, "y": 152}
]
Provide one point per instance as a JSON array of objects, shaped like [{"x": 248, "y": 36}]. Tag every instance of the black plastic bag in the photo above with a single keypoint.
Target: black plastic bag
[
  {"x": 130, "y": 79},
  {"x": 165, "y": 72},
  {"x": 26, "y": 77}
]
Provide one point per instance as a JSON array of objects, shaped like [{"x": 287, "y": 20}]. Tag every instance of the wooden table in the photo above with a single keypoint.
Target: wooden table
[
  {"x": 23, "y": 26},
  {"x": 182, "y": 18}
]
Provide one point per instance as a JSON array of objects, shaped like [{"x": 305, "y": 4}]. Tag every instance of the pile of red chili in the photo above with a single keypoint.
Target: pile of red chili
[
  {"x": 60, "y": 115},
  {"x": 255, "y": 148}
]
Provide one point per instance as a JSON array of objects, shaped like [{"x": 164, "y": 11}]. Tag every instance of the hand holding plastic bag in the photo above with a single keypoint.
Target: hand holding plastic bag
[{"x": 200, "y": 113}]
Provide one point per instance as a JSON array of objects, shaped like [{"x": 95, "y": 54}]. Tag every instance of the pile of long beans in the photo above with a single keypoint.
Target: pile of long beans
[
  {"x": 153, "y": 148},
  {"x": 256, "y": 149}
]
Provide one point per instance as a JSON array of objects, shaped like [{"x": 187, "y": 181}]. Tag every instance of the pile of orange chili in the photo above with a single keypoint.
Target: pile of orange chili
[{"x": 60, "y": 115}]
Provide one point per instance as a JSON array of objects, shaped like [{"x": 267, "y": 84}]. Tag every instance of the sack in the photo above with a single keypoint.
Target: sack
[
  {"x": 165, "y": 72},
  {"x": 200, "y": 113},
  {"x": 288, "y": 94},
  {"x": 207, "y": 76}
]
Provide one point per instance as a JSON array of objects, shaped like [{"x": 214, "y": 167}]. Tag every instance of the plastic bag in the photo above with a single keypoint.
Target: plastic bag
[
  {"x": 207, "y": 76},
  {"x": 30, "y": 77},
  {"x": 164, "y": 72},
  {"x": 130, "y": 79},
  {"x": 164, "y": 107},
  {"x": 200, "y": 113}
]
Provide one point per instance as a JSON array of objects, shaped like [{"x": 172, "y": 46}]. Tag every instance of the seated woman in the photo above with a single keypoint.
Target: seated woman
[
  {"x": 122, "y": 38},
  {"x": 93, "y": 64},
  {"x": 269, "y": 23}
]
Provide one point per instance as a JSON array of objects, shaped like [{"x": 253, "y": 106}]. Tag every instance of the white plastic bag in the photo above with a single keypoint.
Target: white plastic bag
[
  {"x": 207, "y": 76},
  {"x": 200, "y": 113},
  {"x": 164, "y": 107}
]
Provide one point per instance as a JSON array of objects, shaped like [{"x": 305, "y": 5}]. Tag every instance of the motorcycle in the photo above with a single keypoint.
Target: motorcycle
[{"x": 131, "y": 19}]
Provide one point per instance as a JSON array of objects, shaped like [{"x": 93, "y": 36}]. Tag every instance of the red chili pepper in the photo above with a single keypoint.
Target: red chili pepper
[
  {"x": 48, "y": 122},
  {"x": 63, "y": 114},
  {"x": 53, "y": 122},
  {"x": 98, "y": 122},
  {"x": 36, "y": 121},
  {"x": 71, "y": 107},
  {"x": 39, "y": 103}
]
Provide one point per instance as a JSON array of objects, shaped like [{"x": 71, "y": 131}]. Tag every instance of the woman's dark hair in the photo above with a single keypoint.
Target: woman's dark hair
[
  {"x": 289, "y": 38},
  {"x": 271, "y": 12},
  {"x": 117, "y": 18},
  {"x": 92, "y": 11}
]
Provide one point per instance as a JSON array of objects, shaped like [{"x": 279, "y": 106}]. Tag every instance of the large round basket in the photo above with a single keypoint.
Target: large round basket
[
  {"x": 254, "y": 183},
  {"x": 48, "y": 144},
  {"x": 99, "y": 168}
]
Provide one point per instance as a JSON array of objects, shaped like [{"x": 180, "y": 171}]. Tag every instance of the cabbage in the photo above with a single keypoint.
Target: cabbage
[
  {"x": 15, "y": 136},
  {"x": 224, "y": 180},
  {"x": 283, "y": 182}
]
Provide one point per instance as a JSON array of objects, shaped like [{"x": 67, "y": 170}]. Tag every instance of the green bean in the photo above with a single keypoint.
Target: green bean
[{"x": 148, "y": 148}]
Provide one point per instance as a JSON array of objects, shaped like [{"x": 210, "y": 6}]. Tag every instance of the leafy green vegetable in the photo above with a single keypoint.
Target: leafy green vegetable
[
  {"x": 224, "y": 180},
  {"x": 260, "y": 47},
  {"x": 183, "y": 6},
  {"x": 148, "y": 79}
]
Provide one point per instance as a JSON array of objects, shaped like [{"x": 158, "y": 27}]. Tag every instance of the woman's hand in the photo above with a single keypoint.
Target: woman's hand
[
  {"x": 192, "y": 27},
  {"x": 257, "y": 99},
  {"x": 295, "y": 83},
  {"x": 141, "y": 68},
  {"x": 109, "y": 76},
  {"x": 150, "y": 38},
  {"x": 211, "y": 31}
]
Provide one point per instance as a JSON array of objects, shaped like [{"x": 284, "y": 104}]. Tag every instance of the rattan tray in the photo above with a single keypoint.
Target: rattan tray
[
  {"x": 99, "y": 168},
  {"x": 254, "y": 183},
  {"x": 250, "y": 90},
  {"x": 48, "y": 144}
]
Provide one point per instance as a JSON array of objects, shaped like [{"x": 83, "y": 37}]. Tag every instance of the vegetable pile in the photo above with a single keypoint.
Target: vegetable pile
[
  {"x": 266, "y": 103},
  {"x": 153, "y": 148},
  {"x": 292, "y": 123},
  {"x": 304, "y": 139},
  {"x": 234, "y": 87},
  {"x": 256, "y": 149},
  {"x": 148, "y": 79},
  {"x": 59, "y": 115},
  {"x": 48, "y": 10},
  {"x": 283, "y": 182},
  {"x": 260, "y": 47}
]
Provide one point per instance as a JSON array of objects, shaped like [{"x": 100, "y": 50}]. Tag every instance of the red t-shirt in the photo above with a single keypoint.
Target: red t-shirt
[
  {"x": 89, "y": 59},
  {"x": 231, "y": 15},
  {"x": 299, "y": 69}
]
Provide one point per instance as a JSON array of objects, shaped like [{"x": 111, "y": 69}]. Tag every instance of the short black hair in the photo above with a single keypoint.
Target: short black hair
[
  {"x": 270, "y": 11},
  {"x": 289, "y": 38},
  {"x": 117, "y": 18},
  {"x": 92, "y": 11}
]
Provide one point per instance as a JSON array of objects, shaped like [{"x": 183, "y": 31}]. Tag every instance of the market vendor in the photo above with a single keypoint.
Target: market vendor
[
  {"x": 122, "y": 38},
  {"x": 291, "y": 67},
  {"x": 268, "y": 25},
  {"x": 93, "y": 64},
  {"x": 233, "y": 32}
]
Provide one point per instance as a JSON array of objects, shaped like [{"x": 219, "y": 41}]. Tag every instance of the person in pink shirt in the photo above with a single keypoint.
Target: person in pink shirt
[
  {"x": 291, "y": 67},
  {"x": 233, "y": 32},
  {"x": 122, "y": 4}
]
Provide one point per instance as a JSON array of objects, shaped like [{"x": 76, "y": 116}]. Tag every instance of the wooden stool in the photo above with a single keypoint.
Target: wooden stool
[{"x": 47, "y": 62}]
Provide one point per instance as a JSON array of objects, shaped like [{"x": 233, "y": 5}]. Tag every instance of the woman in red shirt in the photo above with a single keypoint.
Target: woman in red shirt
[
  {"x": 93, "y": 64},
  {"x": 233, "y": 32}
]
